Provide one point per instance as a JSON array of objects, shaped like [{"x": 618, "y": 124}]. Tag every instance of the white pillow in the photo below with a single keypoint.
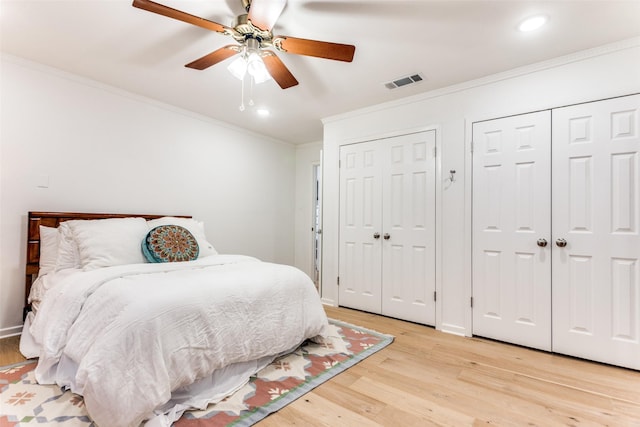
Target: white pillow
[
  {"x": 68, "y": 255},
  {"x": 109, "y": 242},
  {"x": 195, "y": 227},
  {"x": 48, "y": 250}
]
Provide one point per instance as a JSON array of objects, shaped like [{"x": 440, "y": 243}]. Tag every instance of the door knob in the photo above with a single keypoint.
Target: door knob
[
  {"x": 542, "y": 243},
  {"x": 376, "y": 235},
  {"x": 386, "y": 236},
  {"x": 561, "y": 243}
]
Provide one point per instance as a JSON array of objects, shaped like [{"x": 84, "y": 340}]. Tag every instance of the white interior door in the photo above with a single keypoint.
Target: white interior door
[
  {"x": 408, "y": 217},
  {"x": 360, "y": 254},
  {"x": 596, "y": 276},
  {"x": 511, "y": 270},
  {"x": 316, "y": 249},
  {"x": 387, "y": 226}
]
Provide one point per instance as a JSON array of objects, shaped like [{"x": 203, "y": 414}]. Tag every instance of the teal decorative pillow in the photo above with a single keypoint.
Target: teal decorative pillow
[{"x": 170, "y": 243}]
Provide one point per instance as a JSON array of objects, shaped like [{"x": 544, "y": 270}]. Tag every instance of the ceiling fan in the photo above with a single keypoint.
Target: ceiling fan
[{"x": 253, "y": 33}]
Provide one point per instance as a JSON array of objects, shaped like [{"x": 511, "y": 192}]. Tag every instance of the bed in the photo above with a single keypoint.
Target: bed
[{"x": 144, "y": 340}]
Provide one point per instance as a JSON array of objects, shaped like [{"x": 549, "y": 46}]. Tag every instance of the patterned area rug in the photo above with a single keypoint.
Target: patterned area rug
[{"x": 24, "y": 402}]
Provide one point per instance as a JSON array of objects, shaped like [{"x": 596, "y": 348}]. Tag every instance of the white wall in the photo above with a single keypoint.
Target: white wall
[
  {"x": 307, "y": 155},
  {"x": 105, "y": 150},
  {"x": 609, "y": 71}
]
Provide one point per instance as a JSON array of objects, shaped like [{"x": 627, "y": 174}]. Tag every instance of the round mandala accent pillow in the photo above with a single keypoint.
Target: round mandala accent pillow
[{"x": 170, "y": 243}]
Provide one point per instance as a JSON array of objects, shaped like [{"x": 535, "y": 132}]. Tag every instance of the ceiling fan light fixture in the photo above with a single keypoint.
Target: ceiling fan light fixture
[
  {"x": 257, "y": 69},
  {"x": 249, "y": 62},
  {"x": 238, "y": 68},
  {"x": 253, "y": 32}
]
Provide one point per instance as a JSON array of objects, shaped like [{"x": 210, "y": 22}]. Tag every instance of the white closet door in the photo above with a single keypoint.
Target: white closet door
[
  {"x": 511, "y": 212},
  {"x": 596, "y": 276},
  {"x": 360, "y": 254},
  {"x": 408, "y": 213}
]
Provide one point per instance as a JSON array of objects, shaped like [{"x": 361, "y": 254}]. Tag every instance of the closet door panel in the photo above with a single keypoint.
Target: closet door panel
[
  {"x": 596, "y": 281},
  {"x": 360, "y": 219},
  {"x": 511, "y": 191},
  {"x": 387, "y": 226},
  {"x": 408, "y": 247}
]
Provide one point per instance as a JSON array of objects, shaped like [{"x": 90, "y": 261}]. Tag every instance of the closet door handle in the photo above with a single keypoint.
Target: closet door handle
[
  {"x": 386, "y": 236},
  {"x": 542, "y": 243},
  {"x": 561, "y": 243},
  {"x": 376, "y": 235}
]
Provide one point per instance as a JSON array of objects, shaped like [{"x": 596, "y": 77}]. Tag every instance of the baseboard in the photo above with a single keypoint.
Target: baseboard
[
  {"x": 10, "y": 332},
  {"x": 453, "y": 329},
  {"x": 329, "y": 301}
]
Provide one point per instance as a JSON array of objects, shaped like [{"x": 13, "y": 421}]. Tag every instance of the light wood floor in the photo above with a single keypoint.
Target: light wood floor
[
  {"x": 428, "y": 377},
  {"x": 10, "y": 351}
]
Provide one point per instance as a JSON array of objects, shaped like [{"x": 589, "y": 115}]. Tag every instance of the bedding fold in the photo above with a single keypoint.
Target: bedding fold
[{"x": 137, "y": 333}]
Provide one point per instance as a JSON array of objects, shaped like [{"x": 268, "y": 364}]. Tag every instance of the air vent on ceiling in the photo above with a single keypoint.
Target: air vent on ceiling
[{"x": 404, "y": 81}]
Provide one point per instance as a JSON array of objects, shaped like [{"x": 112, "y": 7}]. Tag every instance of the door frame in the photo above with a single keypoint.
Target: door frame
[
  {"x": 438, "y": 207},
  {"x": 468, "y": 183},
  {"x": 316, "y": 203}
]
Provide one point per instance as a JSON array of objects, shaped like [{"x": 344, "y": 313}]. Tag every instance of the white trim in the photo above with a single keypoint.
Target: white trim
[
  {"x": 312, "y": 257},
  {"x": 505, "y": 75},
  {"x": 308, "y": 144},
  {"x": 329, "y": 302},
  {"x": 456, "y": 123},
  {"x": 438, "y": 262},
  {"x": 468, "y": 213},
  {"x": 130, "y": 95},
  {"x": 468, "y": 194},
  {"x": 438, "y": 214},
  {"x": 391, "y": 134},
  {"x": 454, "y": 329},
  {"x": 10, "y": 332}
]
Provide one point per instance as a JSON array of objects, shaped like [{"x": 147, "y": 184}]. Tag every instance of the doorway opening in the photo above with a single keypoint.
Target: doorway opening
[{"x": 316, "y": 225}]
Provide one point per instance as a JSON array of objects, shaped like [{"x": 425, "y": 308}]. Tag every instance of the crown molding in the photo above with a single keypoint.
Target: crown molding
[{"x": 494, "y": 78}]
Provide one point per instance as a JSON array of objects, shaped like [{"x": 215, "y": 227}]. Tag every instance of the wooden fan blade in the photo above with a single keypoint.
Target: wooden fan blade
[
  {"x": 319, "y": 49},
  {"x": 279, "y": 72},
  {"x": 179, "y": 15},
  {"x": 264, "y": 13},
  {"x": 214, "y": 57}
]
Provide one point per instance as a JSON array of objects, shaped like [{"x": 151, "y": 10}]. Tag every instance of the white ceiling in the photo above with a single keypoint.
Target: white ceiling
[{"x": 447, "y": 41}]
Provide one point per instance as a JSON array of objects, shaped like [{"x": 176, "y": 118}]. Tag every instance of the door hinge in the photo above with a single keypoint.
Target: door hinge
[
  {"x": 435, "y": 295},
  {"x": 338, "y": 281},
  {"x": 471, "y": 302},
  {"x": 435, "y": 151},
  {"x": 339, "y": 164},
  {"x": 472, "y": 146}
]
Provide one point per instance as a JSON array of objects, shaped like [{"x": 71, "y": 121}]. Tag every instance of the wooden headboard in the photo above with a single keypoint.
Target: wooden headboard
[{"x": 53, "y": 219}]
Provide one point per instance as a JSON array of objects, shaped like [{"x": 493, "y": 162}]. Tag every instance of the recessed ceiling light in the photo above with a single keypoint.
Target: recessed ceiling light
[
  {"x": 262, "y": 112},
  {"x": 532, "y": 23}
]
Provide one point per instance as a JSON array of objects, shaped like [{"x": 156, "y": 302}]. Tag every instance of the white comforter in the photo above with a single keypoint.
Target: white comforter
[{"x": 130, "y": 335}]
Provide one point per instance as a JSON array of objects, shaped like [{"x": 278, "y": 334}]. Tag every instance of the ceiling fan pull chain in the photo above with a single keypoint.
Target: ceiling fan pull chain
[
  {"x": 251, "y": 103},
  {"x": 242, "y": 94}
]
